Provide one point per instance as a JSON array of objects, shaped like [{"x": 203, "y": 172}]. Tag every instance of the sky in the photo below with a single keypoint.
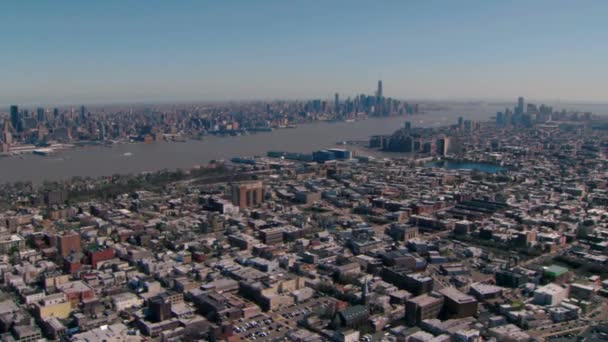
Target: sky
[{"x": 114, "y": 51}]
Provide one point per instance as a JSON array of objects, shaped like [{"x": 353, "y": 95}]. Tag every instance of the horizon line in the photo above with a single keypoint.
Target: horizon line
[{"x": 269, "y": 99}]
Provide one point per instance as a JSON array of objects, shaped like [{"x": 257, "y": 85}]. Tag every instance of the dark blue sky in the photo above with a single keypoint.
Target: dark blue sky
[{"x": 149, "y": 50}]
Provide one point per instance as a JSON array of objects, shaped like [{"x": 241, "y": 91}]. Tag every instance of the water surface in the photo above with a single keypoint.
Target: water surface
[{"x": 95, "y": 161}]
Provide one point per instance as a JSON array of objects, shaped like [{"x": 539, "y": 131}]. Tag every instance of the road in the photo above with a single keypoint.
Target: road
[{"x": 563, "y": 332}]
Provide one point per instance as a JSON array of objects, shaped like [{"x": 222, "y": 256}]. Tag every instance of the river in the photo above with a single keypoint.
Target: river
[{"x": 98, "y": 161}]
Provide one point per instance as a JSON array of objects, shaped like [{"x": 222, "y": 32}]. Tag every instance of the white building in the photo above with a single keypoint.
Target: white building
[
  {"x": 126, "y": 300},
  {"x": 470, "y": 335},
  {"x": 349, "y": 335},
  {"x": 509, "y": 333},
  {"x": 34, "y": 297},
  {"x": 550, "y": 294},
  {"x": 423, "y": 336},
  {"x": 8, "y": 242},
  {"x": 114, "y": 332}
]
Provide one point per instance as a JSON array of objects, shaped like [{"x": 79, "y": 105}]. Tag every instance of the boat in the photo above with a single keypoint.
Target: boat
[{"x": 43, "y": 151}]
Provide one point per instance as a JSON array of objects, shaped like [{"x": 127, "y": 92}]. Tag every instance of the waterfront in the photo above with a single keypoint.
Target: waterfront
[{"x": 98, "y": 161}]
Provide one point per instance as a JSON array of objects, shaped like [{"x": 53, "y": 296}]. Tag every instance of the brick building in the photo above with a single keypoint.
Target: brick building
[
  {"x": 247, "y": 194},
  {"x": 68, "y": 243}
]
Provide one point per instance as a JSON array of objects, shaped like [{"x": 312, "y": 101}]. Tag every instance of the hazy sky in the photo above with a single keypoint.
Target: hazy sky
[{"x": 62, "y": 51}]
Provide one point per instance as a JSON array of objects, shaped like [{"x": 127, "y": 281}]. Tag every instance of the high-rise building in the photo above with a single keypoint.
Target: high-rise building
[
  {"x": 337, "y": 103},
  {"x": 520, "y": 106},
  {"x": 248, "y": 194},
  {"x": 500, "y": 119},
  {"x": 379, "y": 91},
  {"x": 83, "y": 113},
  {"x": 102, "y": 131},
  {"x": 40, "y": 115},
  {"x": 159, "y": 308},
  {"x": 443, "y": 145},
  {"x": 15, "y": 118}
]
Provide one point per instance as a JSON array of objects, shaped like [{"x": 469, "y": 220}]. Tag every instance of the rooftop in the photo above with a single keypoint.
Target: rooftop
[
  {"x": 457, "y": 296},
  {"x": 555, "y": 270}
]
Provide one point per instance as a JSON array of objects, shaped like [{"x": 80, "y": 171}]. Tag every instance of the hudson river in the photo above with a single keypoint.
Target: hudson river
[{"x": 139, "y": 157}]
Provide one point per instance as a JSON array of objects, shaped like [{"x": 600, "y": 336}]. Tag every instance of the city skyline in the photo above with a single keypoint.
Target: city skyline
[
  {"x": 191, "y": 51},
  {"x": 5, "y": 108}
]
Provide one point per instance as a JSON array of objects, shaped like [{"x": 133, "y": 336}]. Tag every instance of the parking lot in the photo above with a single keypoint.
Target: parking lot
[
  {"x": 260, "y": 328},
  {"x": 292, "y": 314},
  {"x": 274, "y": 326}
]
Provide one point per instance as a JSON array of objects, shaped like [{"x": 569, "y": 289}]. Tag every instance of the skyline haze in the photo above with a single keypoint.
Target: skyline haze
[{"x": 68, "y": 52}]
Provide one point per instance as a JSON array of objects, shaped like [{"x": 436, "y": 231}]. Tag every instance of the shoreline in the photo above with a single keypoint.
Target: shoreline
[
  {"x": 56, "y": 147},
  {"x": 99, "y": 161}
]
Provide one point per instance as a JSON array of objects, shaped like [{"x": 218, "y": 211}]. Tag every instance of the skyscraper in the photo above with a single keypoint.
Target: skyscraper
[
  {"x": 15, "y": 119},
  {"x": 520, "y": 106},
  {"x": 102, "y": 131},
  {"x": 443, "y": 146},
  {"x": 379, "y": 91},
  {"x": 500, "y": 119},
  {"x": 40, "y": 115},
  {"x": 83, "y": 112},
  {"x": 337, "y": 103}
]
